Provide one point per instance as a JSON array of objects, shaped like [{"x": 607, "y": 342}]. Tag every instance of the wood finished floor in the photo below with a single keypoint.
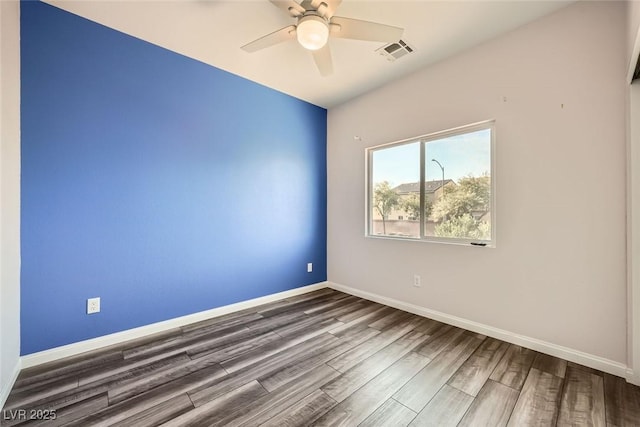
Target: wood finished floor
[{"x": 324, "y": 358}]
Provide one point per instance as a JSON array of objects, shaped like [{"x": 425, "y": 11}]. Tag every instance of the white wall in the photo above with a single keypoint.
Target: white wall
[
  {"x": 9, "y": 194},
  {"x": 558, "y": 273},
  {"x": 633, "y": 192},
  {"x": 634, "y": 230}
]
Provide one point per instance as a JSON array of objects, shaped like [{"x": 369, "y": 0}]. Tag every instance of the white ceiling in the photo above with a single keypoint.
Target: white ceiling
[{"x": 212, "y": 31}]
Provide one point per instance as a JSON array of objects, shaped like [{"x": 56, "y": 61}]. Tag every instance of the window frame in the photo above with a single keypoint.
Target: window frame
[{"x": 423, "y": 140}]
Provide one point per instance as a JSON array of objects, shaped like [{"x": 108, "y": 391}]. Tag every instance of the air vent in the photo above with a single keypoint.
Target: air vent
[{"x": 395, "y": 50}]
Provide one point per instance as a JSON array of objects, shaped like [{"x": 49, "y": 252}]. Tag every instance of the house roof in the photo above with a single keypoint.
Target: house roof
[{"x": 414, "y": 187}]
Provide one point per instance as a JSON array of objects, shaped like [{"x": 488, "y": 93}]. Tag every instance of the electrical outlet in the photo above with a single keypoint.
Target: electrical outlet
[
  {"x": 309, "y": 267},
  {"x": 416, "y": 281},
  {"x": 93, "y": 305}
]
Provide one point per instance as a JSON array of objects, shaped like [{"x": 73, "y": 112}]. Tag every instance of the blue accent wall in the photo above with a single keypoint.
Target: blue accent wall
[{"x": 158, "y": 183}]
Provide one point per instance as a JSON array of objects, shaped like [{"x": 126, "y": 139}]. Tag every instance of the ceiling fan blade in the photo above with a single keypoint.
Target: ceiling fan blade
[
  {"x": 322, "y": 57},
  {"x": 348, "y": 28},
  {"x": 282, "y": 35},
  {"x": 330, "y": 9},
  {"x": 290, "y": 6}
]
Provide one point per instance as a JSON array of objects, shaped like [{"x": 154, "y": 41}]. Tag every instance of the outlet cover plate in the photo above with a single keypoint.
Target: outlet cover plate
[{"x": 93, "y": 305}]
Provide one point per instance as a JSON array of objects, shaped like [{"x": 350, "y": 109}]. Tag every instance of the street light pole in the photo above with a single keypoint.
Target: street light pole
[{"x": 442, "y": 168}]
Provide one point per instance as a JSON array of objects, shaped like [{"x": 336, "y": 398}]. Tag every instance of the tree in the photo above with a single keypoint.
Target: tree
[
  {"x": 472, "y": 194},
  {"x": 464, "y": 226},
  {"x": 456, "y": 209},
  {"x": 411, "y": 206},
  {"x": 480, "y": 187},
  {"x": 384, "y": 200}
]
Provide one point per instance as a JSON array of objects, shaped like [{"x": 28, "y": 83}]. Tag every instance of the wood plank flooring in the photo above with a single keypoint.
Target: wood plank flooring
[{"x": 320, "y": 359}]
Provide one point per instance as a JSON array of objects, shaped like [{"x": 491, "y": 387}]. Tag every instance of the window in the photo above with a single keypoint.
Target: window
[{"x": 455, "y": 202}]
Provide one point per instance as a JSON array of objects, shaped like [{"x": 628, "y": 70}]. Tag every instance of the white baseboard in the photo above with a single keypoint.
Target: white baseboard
[
  {"x": 586, "y": 359},
  {"x": 6, "y": 389},
  {"x": 633, "y": 377},
  {"x": 53, "y": 354}
]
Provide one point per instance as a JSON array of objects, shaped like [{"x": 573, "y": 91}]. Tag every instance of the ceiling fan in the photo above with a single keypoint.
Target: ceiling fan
[{"x": 316, "y": 23}]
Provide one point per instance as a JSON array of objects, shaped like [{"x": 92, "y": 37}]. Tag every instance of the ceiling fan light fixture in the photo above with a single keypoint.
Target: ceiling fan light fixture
[{"x": 312, "y": 32}]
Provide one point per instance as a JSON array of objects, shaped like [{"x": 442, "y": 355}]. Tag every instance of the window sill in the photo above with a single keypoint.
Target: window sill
[{"x": 468, "y": 243}]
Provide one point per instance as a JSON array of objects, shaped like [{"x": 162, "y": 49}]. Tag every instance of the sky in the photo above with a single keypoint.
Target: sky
[{"x": 460, "y": 155}]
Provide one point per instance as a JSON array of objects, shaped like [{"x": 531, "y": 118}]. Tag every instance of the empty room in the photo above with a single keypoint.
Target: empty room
[{"x": 319, "y": 213}]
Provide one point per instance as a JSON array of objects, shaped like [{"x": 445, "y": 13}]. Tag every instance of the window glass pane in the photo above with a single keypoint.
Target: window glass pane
[
  {"x": 458, "y": 186},
  {"x": 395, "y": 191}
]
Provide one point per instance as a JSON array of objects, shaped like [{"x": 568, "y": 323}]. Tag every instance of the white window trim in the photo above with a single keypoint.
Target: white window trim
[{"x": 423, "y": 139}]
